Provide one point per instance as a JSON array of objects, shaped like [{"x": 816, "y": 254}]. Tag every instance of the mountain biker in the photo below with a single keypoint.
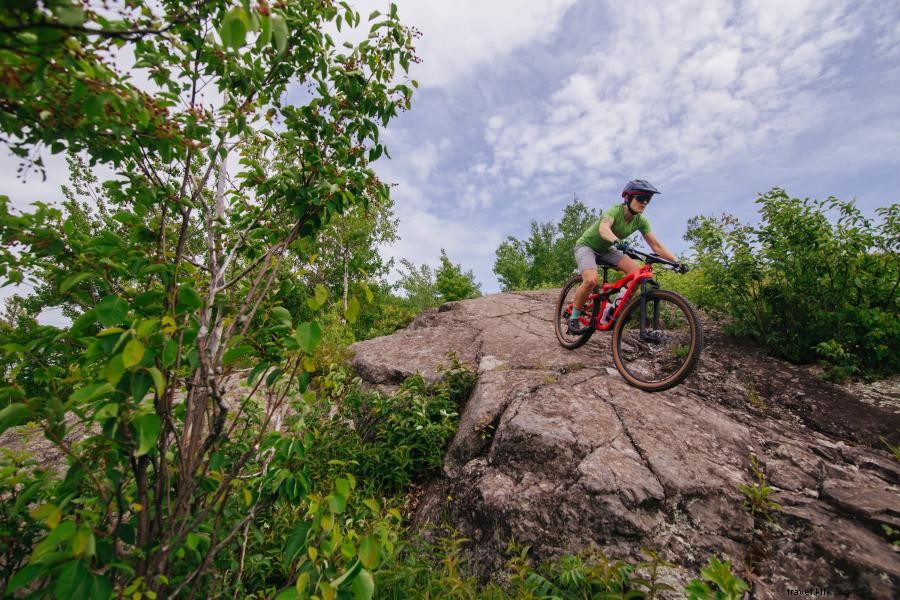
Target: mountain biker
[{"x": 606, "y": 239}]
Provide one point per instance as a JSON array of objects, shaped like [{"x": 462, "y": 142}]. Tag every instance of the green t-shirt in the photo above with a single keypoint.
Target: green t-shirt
[{"x": 591, "y": 236}]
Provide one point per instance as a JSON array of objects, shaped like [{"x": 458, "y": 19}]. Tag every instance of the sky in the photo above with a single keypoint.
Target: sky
[{"x": 523, "y": 104}]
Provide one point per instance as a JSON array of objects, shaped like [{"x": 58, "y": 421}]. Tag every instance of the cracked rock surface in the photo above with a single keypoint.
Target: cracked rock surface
[{"x": 557, "y": 452}]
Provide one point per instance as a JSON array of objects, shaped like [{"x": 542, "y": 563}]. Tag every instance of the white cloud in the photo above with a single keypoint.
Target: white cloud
[
  {"x": 422, "y": 235},
  {"x": 460, "y": 37},
  {"x": 679, "y": 86}
]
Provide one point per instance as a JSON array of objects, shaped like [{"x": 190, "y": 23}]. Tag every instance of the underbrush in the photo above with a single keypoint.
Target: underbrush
[
  {"x": 326, "y": 517},
  {"x": 807, "y": 287}
]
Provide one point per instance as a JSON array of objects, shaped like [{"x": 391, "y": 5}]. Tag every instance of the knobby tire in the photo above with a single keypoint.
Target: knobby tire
[
  {"x": 637, "y": 360},
  {"x": 591, "y": 307}
]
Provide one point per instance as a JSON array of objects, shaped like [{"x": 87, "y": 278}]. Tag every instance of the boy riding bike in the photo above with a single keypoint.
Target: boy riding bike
[{"x": 614, "y": 225}]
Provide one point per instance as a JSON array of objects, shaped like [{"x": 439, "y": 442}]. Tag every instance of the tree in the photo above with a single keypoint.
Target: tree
[
  {"x": 418, "y": 286},
  {"x": 452, "y": 284},
  {"x": 545, "y": 258},
  {"x": 182, "y": 280},
  {"x": 347, "y": 249}
]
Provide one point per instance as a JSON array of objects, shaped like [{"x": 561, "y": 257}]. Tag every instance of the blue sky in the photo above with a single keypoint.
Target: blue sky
[{"x": 523, "y": 103}]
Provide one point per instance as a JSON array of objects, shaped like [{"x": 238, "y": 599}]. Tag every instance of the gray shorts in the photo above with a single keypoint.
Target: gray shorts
[{"x": 587, "y": 258}]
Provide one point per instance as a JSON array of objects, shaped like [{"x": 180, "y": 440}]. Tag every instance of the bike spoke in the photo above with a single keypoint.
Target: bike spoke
[
  {"x": 564, "y": 305},
  {"x": 665, "y": 345}
]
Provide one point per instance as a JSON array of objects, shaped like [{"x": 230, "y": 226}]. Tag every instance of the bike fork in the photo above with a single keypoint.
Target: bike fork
[{"x": 645, "y": 336}]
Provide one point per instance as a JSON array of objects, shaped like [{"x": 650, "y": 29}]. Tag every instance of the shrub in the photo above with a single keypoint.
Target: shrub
[
  {"x": 803, "y": 286},
  {"x": 388, "y": 441}
]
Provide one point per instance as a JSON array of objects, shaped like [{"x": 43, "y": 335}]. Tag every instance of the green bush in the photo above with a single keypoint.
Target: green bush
[
  {"x": 803, "y": 286},
  {"x": 387, "y": 441}
]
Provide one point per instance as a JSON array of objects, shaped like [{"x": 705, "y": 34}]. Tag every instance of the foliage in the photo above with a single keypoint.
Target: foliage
[
  {"x": 757, "y": 494},
  {"x": 452, "y": 284},
  {"x": 21, "y": 480},
  {"x": 804, "y": 287},
  {"x": 176, "y": 272},
  {"x": 425, "y": 288},
  {"x": 418, "y": 286},
  {"x": 327, "y": 543},
  {"x": 728, "y": 585},
  {"x": 545, "y": 258},
  {"x": 387, "y": 441},
  {"x": 384, "y": 315},
  {"x": 346, "y": 250}
]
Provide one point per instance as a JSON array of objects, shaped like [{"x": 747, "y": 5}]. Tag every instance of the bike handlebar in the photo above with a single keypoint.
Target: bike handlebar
[{"x": 650, "y": 258}]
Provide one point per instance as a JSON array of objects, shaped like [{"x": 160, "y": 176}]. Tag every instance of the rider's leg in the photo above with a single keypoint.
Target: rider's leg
[
  {"x": 588, "y": 282},
  {"x": 626, "y": 265}
]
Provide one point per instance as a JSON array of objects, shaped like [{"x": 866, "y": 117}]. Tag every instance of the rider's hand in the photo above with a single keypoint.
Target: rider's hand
[
  {"x": 682, "y": 267},
  {"x": 622, "y": 245}
]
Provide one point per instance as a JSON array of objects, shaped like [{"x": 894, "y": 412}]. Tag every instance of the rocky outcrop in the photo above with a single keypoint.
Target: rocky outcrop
[{"x": 556, "y": 451}]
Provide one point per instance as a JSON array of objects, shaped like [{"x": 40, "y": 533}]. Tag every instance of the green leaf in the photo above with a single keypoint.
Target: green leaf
[
  {"x": 265, "y": 33},
  {"x": 363, "y": 586},
  {"x": 74, "y": 581},
  {"x": 148, "y": 427},
  {"x": 369, "y": 552},
  {"x": 296, "y": 541},
  {"x": 13, "y": 415},
  {"x": 352, "y": 310},
  {"x": 24, "y": 576},
  {"x": 83, "y": 542},
  {"x": 133, "y": 353},
  {"x": 111, "y": 311},
  {"x": 114, "y": 369},
  {"x": 337, "y": 502},
  {"x": 282, "y": 316},
  {"x": 256, "y": 372},
  {"x": 188, "y": 298},
  {"x": 235, "y": 353},
  {"x": 74, "y": 280},
  {"x": 83, "y": 322},
  {"x": 90, "y": 392},
  {"x": 169, "y": 354},
  {"x": 101, "y": 588},
  {"x": 347, "y": 575},
  {"x": 24, "y": 498},
  {"x": 321, "y": 295},
  {"x": 279, "y": 32},
  {"x": 288, "y": 594},
  {"x": 234, "y": 27},
  {"x": 308, "y": 336},
  {"x": 70, "y": 15},
  {"x": 140, "y": 385},
  {"x": 159, "y": 382},
  {"x": 107, "y": 411}
]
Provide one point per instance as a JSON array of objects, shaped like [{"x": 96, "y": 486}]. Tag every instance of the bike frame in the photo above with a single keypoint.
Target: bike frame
[
  {"x": 642, "y": 277},
  {"x": 632, "y": 281}
]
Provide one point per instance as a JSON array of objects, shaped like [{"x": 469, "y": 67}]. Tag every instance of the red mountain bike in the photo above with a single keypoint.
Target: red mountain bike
[{"x": 657, "y": 336}]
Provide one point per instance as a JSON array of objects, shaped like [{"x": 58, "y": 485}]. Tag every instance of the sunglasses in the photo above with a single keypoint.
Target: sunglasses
[{"x": 642, "y": 198}]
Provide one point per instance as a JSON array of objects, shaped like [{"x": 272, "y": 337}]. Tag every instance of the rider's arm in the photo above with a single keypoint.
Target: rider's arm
[
  {"x": 658, "y": 247},
  {"x": 606, "y": 231}
]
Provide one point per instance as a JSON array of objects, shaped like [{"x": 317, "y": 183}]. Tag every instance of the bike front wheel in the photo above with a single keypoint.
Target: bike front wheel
[
  {"x": 564, "y": 311},
  {"x": 657, "y": 344}
]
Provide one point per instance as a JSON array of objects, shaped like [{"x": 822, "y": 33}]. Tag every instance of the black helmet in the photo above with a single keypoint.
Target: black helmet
[{"x": 637, "y": 186}]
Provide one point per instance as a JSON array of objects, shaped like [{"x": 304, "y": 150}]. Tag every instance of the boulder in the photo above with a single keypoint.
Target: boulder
[{"x": 555, "y": 451}]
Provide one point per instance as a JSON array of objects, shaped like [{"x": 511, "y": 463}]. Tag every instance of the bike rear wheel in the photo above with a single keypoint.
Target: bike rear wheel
[
  {"x": 666, "y": 350},
  {"x": 564, "y": 310}
]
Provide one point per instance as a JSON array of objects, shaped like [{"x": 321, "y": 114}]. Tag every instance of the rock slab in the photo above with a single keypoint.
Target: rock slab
[{"x": 557, "y": 452}]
